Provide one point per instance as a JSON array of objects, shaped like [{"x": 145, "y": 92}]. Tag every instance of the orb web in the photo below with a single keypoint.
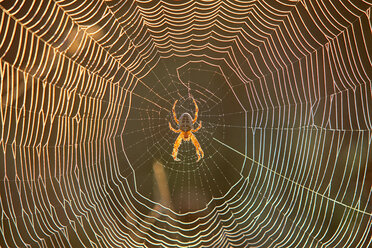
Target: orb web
[{"x": 284, "y": 96}]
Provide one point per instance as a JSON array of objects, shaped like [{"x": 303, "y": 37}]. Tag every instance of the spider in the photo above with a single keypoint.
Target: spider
[{"x": 186, "y": 130}]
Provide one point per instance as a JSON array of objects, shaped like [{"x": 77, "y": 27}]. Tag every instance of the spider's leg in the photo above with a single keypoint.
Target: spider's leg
[
  {"x": 199, "y": 151},
  {"x": 174, "y": 130},
  {"x": 174, "y": 112},
  {"x": 176, "y": 145},
  {"x": 197, "y": 129},
  {"x": 196, "y": 112}
]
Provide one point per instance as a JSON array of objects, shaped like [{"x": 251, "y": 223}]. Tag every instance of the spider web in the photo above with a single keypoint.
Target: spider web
[{"x": 284, "y": 95}]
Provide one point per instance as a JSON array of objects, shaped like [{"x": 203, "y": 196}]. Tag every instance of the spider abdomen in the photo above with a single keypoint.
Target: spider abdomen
[{"x": 185, "y": 122}]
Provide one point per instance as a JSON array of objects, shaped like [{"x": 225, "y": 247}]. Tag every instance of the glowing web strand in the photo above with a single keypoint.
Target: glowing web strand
[{"x": 292, "y": 181}]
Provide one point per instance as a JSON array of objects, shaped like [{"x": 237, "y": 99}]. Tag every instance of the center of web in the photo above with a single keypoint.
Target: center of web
[{"x": 149, "y": 141}]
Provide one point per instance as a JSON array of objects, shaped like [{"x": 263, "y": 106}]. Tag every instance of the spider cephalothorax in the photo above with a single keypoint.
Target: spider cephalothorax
[{"x": 186, "y": 130}]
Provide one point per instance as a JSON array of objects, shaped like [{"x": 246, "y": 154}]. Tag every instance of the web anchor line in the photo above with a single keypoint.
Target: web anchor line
[{"x": 294, "y": 182}]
